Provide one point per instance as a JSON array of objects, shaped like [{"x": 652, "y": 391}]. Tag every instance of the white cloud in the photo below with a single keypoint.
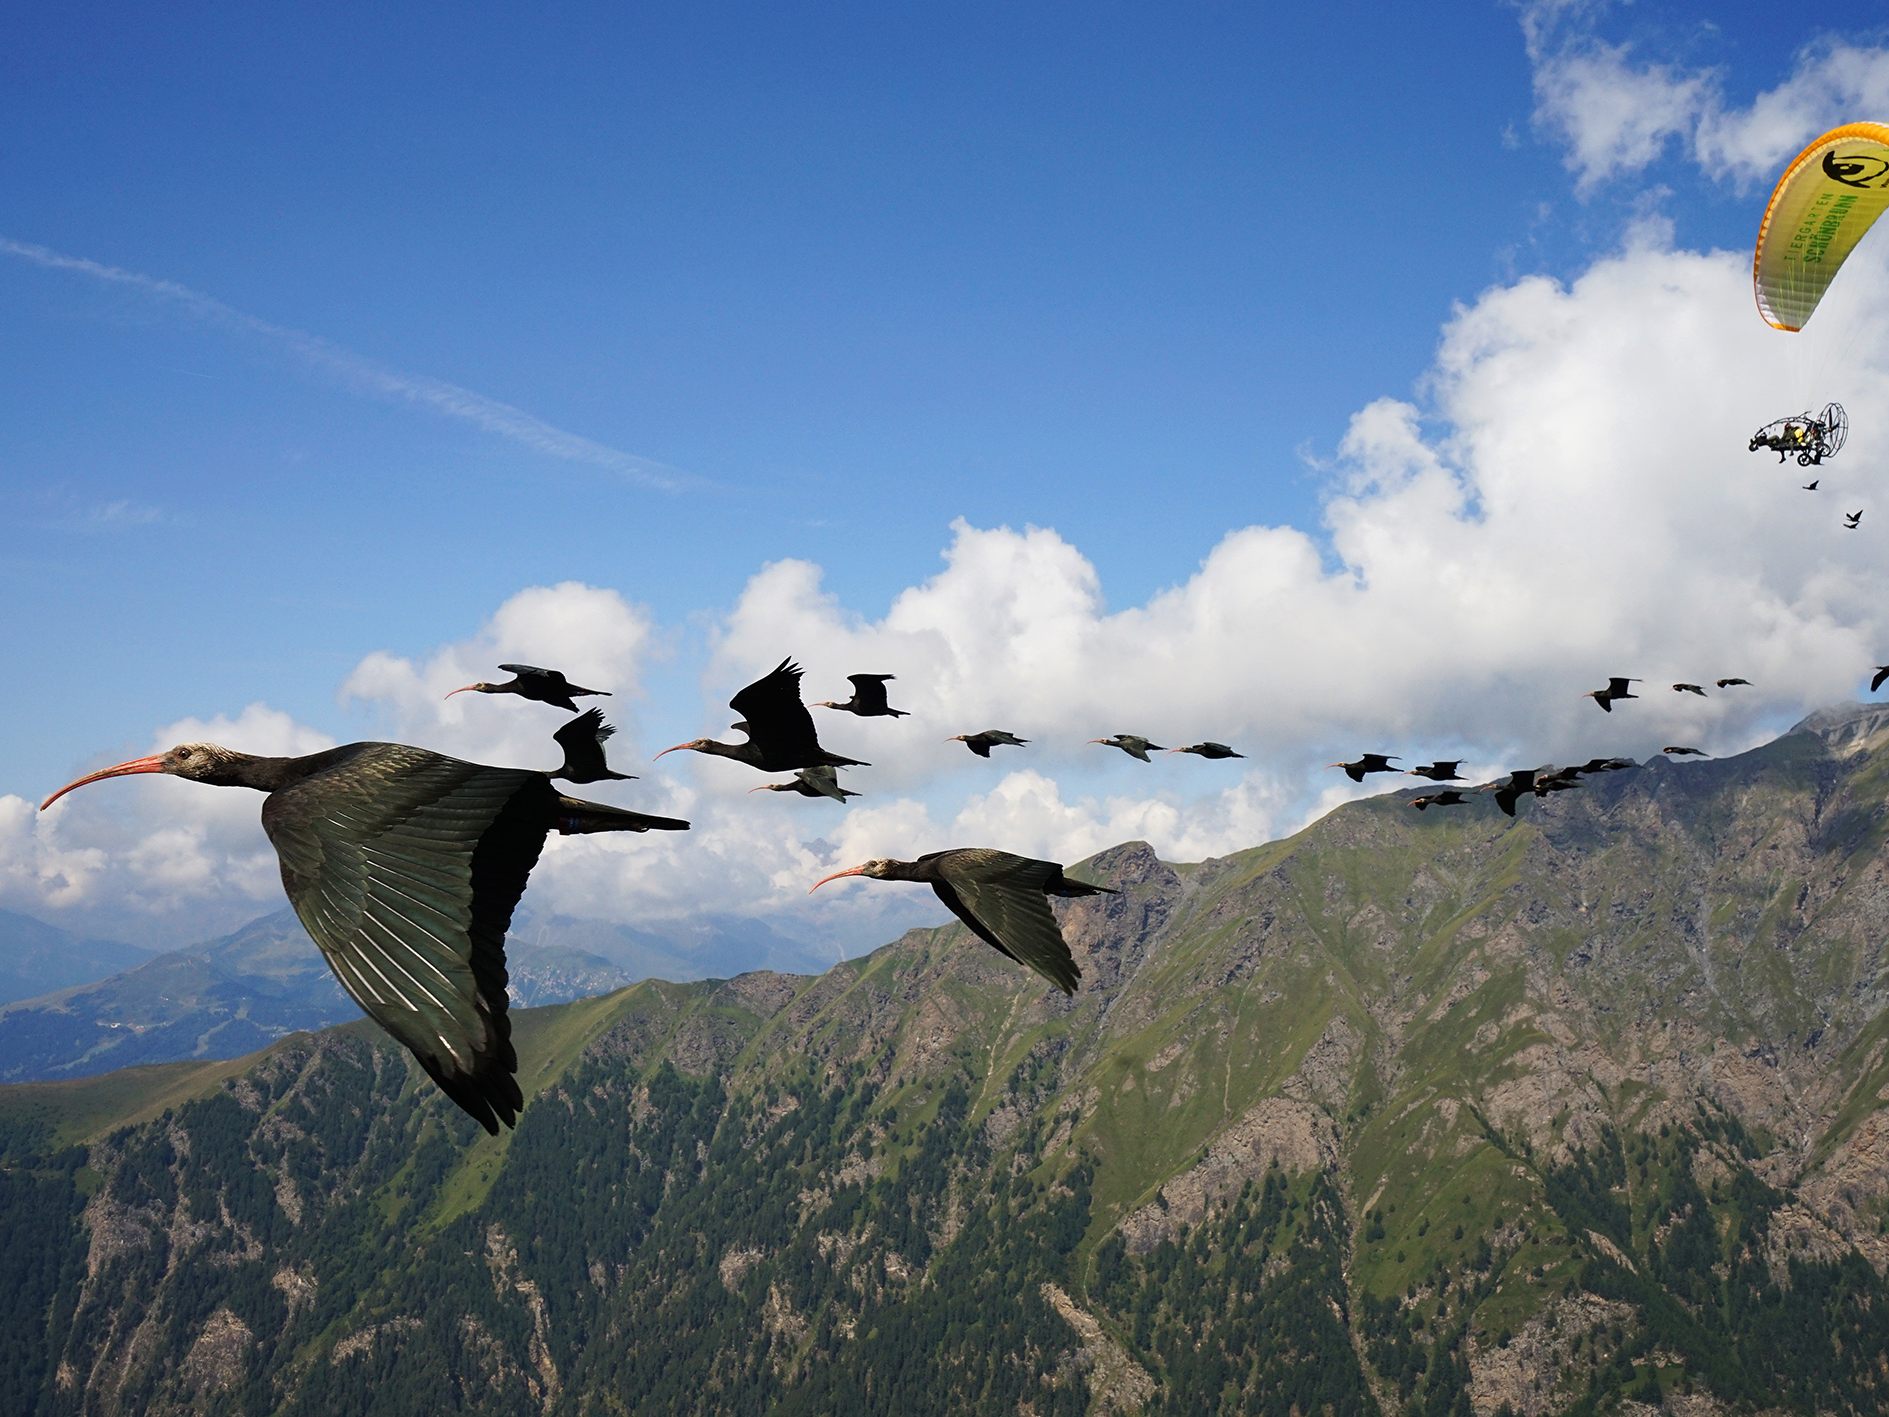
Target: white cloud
[{"x": 1616, "y": 111}]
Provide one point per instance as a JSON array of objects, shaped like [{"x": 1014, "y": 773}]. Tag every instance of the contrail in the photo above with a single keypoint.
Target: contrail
[{"x": 363, "y": 374}]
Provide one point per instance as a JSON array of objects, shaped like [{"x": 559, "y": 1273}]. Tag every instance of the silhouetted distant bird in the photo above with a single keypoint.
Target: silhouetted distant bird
[
  {"x": 779, "y": 728},
  {"x": 1687, "y": 752},
  {"x": 1852, "y": 520},
  {"x": 1698, "y": 689},
  {"x": 1209, "y": 750},
  {"x": 868, "y": 700},
  {"x": 982, "y": 743},
  {"x": 1130, "y": 743},
  {"x": 1003, "y": 898},
  {"x": 1507, "y": 793},
  {"x": 1727, "y": 683},
  {"x": 1367, "y": 762},
  {"x": 811, "y": 782},
  {"x": 404, "y": 866},
  {"x": 1882, "y": 673},
  {"x": 1556, "y": 780},
  {"x": 1444, "y": 771},
  {"x": 1593, "y": 765},
  {"x": 545, "y": 686},
  {"x": 1449, "y": 797},
  {"x": 1811, "y": 486},
  {"x": 1616, "y": 689},
  {"x": 582, "y": 739}
]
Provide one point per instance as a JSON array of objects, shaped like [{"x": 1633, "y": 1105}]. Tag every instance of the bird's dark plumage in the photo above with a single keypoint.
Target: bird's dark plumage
[
  {"x": 1728, "y": 683},
  {"x": 1698, "y": 689},
  {"x": 868, "y": 700},
  {"x": 582, "y": 739},
  {"x": 545, "y": 686},
  {"x": 1686, "y": 752},
  {"x": 1001, "y": 897},
  {"x": 982, "y": 743},
  {"x": 1443, "y": 771},
  {"x": 404, "y": 866},
  {"x": 811, "y": 782},
  {"x": 1449, "y": 797},
  {"x": 1365, "y": 763},
  {"x": 1616, "y": 689},
  {"x": 1210, "y": 750},
  {"x": 1852, "y": 520},
  {"x": 1875, "y": 680},
  {"x": 1132, "y": 744},
  {"x": 1507, "y": 793},
  {"x": 780, "y": 731}
]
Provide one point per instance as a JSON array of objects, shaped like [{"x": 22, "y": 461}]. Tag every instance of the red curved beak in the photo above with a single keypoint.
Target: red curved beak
[
  {"x": 678, "y": 748},
  {"x": 462, "y": 689},
  {"x": 854, "y": 871},
  {"x": 155, "y": 763}
]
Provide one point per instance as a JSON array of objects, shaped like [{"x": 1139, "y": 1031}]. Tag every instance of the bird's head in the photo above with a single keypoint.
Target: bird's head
[
  {"x": 878, "y": 868},
  {"x": 200, "y": 762}
]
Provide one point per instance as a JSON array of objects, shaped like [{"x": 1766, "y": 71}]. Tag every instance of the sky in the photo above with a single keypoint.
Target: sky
[{"x": 1318, "y": 382}]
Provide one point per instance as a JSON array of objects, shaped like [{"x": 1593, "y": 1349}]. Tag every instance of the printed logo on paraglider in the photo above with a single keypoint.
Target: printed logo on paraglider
[{"x": 1855, "y": 169}]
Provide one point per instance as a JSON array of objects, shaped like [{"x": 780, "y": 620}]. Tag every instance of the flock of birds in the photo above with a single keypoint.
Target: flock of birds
[{"x": 405, "y": 865}]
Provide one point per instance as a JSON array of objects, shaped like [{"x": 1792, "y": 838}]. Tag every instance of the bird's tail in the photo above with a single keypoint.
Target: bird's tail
[{"x": 576, "y": 816}]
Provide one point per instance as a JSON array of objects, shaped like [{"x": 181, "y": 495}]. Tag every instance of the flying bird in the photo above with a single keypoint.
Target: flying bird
[
  {"x": 1593, "y": 765},
  {"x": 545, "y": 686},
  {"x": 1449, "y": 797},
  {"x": 1687, "y": 752},
  {"x": 1209, "y": 750},
  {"x": 404, "y": 866},
  {"x": 1130, "y": 743},
  {"x": 811, "y": 782},
  {"x": 582, "y": 739},
  {"x": 868, "y": 700},
  {"x": 1506, "y": 793},
  {"x": 1851, "y": 520},
  {"x": 779, "y": 728},
  {"x": 1616, "y": 689},
  {"x": 1442, "y": 771},
  {"x": 1875, "y": 681},
  {"x": 1698, "y": 689},
  {"x": 1727, "y": 683},
  {"x": 982, "y": 743},
  {"x": 1367, "y": 762},
  {"x": 1811, "y": 486},
  {"x": 1003, "y": 898}
]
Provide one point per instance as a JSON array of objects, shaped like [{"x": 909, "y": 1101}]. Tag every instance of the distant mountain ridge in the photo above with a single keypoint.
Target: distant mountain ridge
[
  {"x": 37, "y": 958},
  {"x": 1406, "y": 1114}
]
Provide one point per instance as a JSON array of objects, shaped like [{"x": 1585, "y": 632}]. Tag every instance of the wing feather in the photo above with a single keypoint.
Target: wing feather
[
  {"x": 404, "y": 866},
  {"x": 1001, "y": 897}
]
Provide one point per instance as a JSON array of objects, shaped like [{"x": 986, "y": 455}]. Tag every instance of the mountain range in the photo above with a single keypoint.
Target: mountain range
[{"x": 1410, "y": 1112}]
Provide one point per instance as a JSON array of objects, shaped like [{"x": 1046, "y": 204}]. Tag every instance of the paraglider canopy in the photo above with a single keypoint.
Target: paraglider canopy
[
  {"x": 1810, "y": 437},
  {"x": 1828, "y": 198}
]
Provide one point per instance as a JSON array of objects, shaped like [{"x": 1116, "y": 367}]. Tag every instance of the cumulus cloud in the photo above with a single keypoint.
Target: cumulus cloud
[
  {"x": 1616, "y": 110},
  {"x": 1567, "y": 497}
]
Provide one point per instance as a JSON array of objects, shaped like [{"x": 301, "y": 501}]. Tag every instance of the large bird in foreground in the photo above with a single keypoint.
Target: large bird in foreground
[
  {"x": 982, "y": 743},
  {"x": 868, "y": 700},
  {"x": 404, "y": 866},
  {"x": 779, "y": 728},
  {"x": 545, "y": 686},
  {"x": 1004, "y": 899}
]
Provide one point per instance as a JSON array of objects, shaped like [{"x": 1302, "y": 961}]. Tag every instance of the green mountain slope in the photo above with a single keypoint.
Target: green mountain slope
[{"x": 1410, "y": 1113}]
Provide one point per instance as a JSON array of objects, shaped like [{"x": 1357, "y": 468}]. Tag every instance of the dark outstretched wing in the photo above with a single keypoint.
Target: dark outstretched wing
[
  {"x": 550, "y": 677},
  {"x": 869, "y": 694},
  {"x": 582, "y": 739},
  {"x": 1876, "y": 679},
  {"x": 778, "y": 722},
  {"x": 1001, "y": 897},
  {"x": 405, "y": 866}
]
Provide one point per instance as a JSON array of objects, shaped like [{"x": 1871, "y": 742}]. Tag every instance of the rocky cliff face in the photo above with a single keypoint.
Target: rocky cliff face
[{"x": 1430, "y": 1112}]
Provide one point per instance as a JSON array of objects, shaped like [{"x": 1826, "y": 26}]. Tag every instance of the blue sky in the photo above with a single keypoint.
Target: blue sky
[{"x": 329, "y": 334}]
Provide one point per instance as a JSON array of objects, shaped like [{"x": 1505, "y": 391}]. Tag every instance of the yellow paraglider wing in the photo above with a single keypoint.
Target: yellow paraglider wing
[{"x": 1828, "y": 197}]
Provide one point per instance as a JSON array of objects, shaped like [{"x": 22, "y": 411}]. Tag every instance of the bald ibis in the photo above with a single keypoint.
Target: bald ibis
[
  {"x": 982, "y": 743},
  {"x": 1132, "y": 744},
  {"x": 1616, "y": 689},
  {"x": 780, "y": 731},
  {"x": 1209, "y": 750},
  {"x": 582, "y": 739},
  {"x": 1449, "y": 797},
  {"x": 1367, "y": 763},
  {"x": 1443, "y": 771},
  {"x": 1698, "y": 689},
  {"x": 545, "y": 686},
  {"x": 811, "y": 782},
  {"x": 404, "y": 866},
  {"x": 1001, "y": 897},
  {"x": 868, "y": 700}
]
